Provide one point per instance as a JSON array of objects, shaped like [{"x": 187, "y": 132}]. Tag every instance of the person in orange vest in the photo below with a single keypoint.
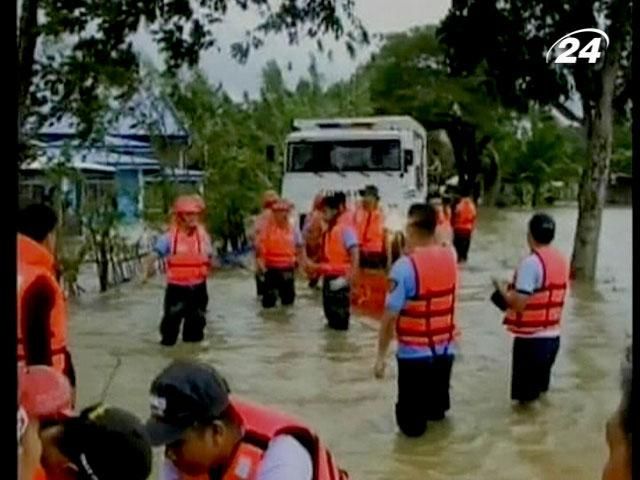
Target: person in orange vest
[
  {"x": 102, "y": 443},
  {"x": 312, "y": 236},
  {"x": 369, "y": 223},
  {"x": 534, "y": 303},
  {"x": 278, "y": 251},
  {"x": 464, "y": 222},
  {"x": 340, "y": 260},
  {"x": 42, "y": 311},
  {"x": 444, "y": 230},
  {"x": 44, "y": 395},
  {"x": 208, "y": 433},
  {"x": 269, "y": 197},
  {"x": 619, "y": 428},
  {"x": 420, "y": 307},
  {"x": 188, "y": 254}
]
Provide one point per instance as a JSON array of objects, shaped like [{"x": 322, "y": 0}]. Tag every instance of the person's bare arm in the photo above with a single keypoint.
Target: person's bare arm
[
  {"x": 385, "y": 335},
  {"x": 515, "y": 300}
]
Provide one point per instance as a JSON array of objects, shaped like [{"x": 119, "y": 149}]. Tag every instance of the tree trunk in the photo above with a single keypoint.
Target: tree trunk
[
  {"x": 27, "y": 40},
  {"x": 593, "y": 184},
  {"x": 491, "y": 178}
]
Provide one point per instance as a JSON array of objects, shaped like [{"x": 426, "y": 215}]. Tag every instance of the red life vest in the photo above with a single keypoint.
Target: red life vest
[
  {"x": 261, "y": 222},
  {"x": 370, "y": 229},
  {"x": 277, "y": 247},
  {"x": 40, "y": 474},
  {"x": 427, "y": 319},
  {"x": 337, "y": 261},
  {"x": 464, "y": 218},
  {"x": 188, "y": 263},
  {"x": 313, "y": 234},
  {"x": 261, "y": 424},
  {"x": 34, "y": 261},
  {"x": 543, "y": 309}
]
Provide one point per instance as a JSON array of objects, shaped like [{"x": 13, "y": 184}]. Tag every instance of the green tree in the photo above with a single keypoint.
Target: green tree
[
  {"x": 410, "y": 76},
  {"x": 88, "y": 59},
  {"x": 539, "y": 153},
  {"x": 510, "y": 38}
]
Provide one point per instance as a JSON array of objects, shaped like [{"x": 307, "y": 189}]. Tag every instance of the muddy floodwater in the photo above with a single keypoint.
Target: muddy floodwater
[{"x": 288, "y": 359}]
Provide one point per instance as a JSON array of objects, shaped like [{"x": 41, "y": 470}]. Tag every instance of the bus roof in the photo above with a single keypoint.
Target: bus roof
[{"x": 360, "y": 123}]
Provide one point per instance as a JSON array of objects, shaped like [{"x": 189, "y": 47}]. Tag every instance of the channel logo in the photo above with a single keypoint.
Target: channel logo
[{"x": 570, "y": 44}]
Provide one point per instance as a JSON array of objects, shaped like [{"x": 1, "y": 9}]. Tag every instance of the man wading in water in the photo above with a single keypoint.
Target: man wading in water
[
  {"x": 420, "y": 307},
  {"x": 533, "y": 305},
  {"x": 188, "y": 253}
]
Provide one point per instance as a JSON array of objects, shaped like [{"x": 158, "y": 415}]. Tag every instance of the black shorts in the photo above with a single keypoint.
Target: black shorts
[{"x": 533, "y": 359}]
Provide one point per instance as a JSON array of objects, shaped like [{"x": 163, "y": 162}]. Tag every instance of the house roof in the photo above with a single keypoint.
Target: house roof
[
  {"x": 43, "y": 163},
  {"x": 179, "y": 174},
  {"x": 103, "y": 157},
  {"x": 144, "y": 116}
]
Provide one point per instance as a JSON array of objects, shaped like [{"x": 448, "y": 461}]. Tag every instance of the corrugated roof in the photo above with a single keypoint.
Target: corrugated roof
[
  {"x": 104, "y": 157},
  {"x": 145, "y": 115}
]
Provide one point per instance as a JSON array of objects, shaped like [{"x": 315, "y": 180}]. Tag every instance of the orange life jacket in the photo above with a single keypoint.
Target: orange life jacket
[
  {"x": 427, "y": 319},
  {"x": 261, "y": 222},
  {"x": 369, "y": 227},
  {"x": 35, "y": 261},
  {"x": 188, "y": 263},
  {"x": 276, "y": 246},
  {"x": 313, "y": 234},
  {"x": 40, "y": 474},
  {"x": 337, "y": 261},
  {"x": 543, "y": 309},
  {"x": 464, "y": 218},
  {"x": 261, "y": 424}
]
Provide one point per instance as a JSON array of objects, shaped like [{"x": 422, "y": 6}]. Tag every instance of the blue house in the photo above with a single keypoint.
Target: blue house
[{"x": 128, "y": 151}]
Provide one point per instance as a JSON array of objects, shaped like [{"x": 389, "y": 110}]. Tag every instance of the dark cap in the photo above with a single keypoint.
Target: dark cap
[
  {"x": 103, "y": 442},
  {"x": 370, "y": 191},
  {"x": 185, "y": 394},
  {"x": 542, "y": 228}
]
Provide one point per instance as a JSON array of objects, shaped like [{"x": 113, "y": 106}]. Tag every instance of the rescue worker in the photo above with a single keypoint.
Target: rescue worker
[
  {"x": 42, "y": 311},
  {"x": 279, "y": 251},
  {"x": 269, "y": 197},
  {"x": 369, "y": 224},
  {"x": 188, "y": 254},
  {"x": 534, "y": 304},
  {"x": 209, "y": 434},
  {"x": 339, "y": 263},
  {"x": 444, "y": 230},
  {"x": 101, "y": 443},
  {"x": 464, "y": 222},
  {"x": 619, "y": 428},
  {"x": 420, "y": 307},
  {"x": 44, "y": 394},
  {"x": 312, "y": 236}
]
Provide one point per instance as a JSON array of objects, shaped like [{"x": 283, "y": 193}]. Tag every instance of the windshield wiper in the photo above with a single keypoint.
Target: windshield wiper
[
  {"x": 343, "y": 175},
  {"x": 364, "y": 173},
  {"x": 318, "y": 174}
]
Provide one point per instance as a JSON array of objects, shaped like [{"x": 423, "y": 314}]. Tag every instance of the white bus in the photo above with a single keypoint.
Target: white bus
[{"x": 346, "y": 154}]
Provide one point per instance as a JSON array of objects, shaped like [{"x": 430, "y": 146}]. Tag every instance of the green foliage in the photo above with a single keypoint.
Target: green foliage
[
  {"x": 229, "y": 138},
  {"x": 88, "y": 55},
  {"x": 621, "y": 159},
  {"x": 510, "y": 39},
  {"x": 535, "y": 151}
]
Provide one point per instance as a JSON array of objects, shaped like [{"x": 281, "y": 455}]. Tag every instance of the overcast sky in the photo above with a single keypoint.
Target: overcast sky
[{"x": 379, "y": 16}]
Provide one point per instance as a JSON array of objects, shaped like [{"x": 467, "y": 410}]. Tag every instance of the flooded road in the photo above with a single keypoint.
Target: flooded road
[{"x": 287, "y": 359}]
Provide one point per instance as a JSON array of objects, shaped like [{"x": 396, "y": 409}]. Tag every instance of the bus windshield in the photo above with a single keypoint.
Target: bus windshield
[{"x": 344, "y": 156}]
